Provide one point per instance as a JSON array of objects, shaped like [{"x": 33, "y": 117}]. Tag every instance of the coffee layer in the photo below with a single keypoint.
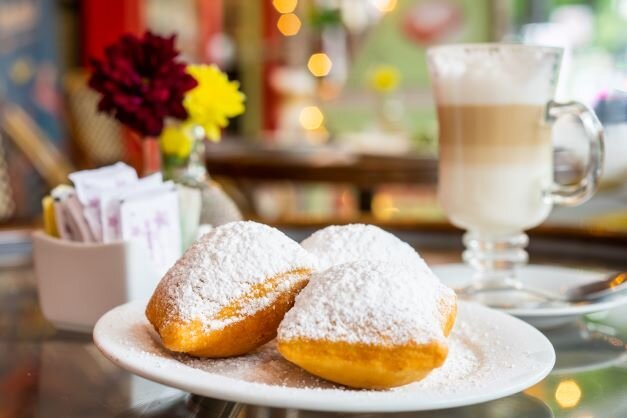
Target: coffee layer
[{"x": 493, "y": 134}]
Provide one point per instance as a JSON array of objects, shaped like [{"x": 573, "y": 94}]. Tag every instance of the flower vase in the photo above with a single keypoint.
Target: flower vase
[
  {"x": 151, "y": 156},
  {"x": 217, "y": 208},
  {"x": 389, "y": 112}
]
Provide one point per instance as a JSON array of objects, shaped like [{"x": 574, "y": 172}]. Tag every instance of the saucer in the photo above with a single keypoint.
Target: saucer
[{"x": 550, "y": 278}]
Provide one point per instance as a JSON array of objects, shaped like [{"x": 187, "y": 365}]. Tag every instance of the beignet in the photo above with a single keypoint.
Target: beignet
[
  {"x": 338, "y": 244},
  {"x": 367, "y": 324},
  {"x": 228, "y": 293}
]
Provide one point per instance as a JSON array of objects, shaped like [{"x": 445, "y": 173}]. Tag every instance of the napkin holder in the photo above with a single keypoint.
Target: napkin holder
[{"x": 79, "y": 282}]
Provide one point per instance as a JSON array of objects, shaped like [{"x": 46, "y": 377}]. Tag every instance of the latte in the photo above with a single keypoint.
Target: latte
[{"x": 495, "y": 166}]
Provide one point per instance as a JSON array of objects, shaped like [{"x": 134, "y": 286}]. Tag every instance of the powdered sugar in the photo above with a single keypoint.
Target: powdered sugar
[
  {"x": 226, "y": 264},
  {"x": 371, "y": 302},
  {"x": 264, "y": 365},
  {"x": 339, "y": 244}
]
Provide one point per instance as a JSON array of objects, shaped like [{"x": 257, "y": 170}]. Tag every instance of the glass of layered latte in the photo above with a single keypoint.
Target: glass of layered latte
[{"x": 495, "y": 111}]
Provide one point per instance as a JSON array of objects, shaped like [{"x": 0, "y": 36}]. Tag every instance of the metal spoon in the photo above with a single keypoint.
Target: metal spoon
[{"x": 614, "y": 283}]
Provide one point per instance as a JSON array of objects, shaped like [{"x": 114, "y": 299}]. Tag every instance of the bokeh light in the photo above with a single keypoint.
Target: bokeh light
[
  {"x": 285, "y": 6},
  {"x": 385, "y": 6},
  {"x": 568, "y": 394},
  {"x": 319, "y": 64},
  {"x": 311, "y": 118},
  {"x": 288, "y": 24},
  {"x": 383, "y": 207}
]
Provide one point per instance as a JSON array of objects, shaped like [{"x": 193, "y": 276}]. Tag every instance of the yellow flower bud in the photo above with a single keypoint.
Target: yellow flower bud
[{"x": 177, "y": 140}]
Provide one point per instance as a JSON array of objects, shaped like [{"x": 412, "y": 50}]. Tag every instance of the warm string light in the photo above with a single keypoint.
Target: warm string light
[
  {"x": 319, "y": 64},
  {"x": 311, "y": 118},
  {"x": 288, "y": 24},
  {"x": 285, "y": 6}
]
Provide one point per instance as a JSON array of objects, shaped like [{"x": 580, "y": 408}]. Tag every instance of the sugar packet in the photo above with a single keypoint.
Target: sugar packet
[
  {"x": 110, "y": 200},
  {"x": 68, "y": 214},
  {"x": 90, "y": 184},
  {"x": 153, "y": 218}
]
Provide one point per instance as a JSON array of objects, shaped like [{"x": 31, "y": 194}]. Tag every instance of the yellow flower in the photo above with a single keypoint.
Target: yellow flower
[
  {"x": 213, "y": 101},
  {"x": 177, "y": 140},
  {"x": 384, "y": 78}
]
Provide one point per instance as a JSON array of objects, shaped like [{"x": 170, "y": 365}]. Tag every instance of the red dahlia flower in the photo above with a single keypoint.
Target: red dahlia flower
[{"x": 141, "y": 82}]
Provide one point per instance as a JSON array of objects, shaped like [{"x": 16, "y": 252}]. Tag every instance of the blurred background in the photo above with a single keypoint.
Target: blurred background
[{"x": 340, "y": 124}]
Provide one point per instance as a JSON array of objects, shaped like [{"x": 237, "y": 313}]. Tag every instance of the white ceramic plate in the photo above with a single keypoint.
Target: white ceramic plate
[
  {"x": 552, "y": 278},
  {"x": 491, "y": 355}
]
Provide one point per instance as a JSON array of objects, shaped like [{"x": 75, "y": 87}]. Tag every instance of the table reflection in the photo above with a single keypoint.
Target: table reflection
[
  {"x": 519, "y": 405},
  {"x": 586, "y": 346}
]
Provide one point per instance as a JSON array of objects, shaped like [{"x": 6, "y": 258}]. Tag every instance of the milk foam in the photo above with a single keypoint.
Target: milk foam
[
  {"x": 496, "y": 198},
  {"x": 493, "y": 74}
]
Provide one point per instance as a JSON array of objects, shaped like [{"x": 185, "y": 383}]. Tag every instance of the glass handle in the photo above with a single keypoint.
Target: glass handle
[{"x": 572, "y": 195}]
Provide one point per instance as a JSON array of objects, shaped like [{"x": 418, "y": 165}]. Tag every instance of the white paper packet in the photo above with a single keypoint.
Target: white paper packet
[
  {"x": 74, "y": 215},
  {"x": 90, "y": 184},
  {"x": 69, "y": 215},
  {"x": 153, "y": 219},
  {"x": 118, "y": 174},
  {"x": 111, "y": 198}
]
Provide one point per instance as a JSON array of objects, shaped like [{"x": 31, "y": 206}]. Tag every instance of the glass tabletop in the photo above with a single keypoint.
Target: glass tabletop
[{"x": 49, "y": 373}]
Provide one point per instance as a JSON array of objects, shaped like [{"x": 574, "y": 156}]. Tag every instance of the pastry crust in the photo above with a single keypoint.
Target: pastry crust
[
  {"x": 239, "y": 337},
  {"x": 367, "y": 366},
  {"x": 448, "y": 307},
  {"x": 364, "y": 366}
]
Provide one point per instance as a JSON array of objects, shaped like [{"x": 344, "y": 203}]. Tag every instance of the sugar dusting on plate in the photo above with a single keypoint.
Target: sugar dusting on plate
[
  {"x": 475, "y": 357},
  {"x": 266, "y": 366}
]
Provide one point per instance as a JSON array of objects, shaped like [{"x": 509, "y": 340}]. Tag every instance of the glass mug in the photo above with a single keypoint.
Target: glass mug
[{"x": 495, "y": 111}]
